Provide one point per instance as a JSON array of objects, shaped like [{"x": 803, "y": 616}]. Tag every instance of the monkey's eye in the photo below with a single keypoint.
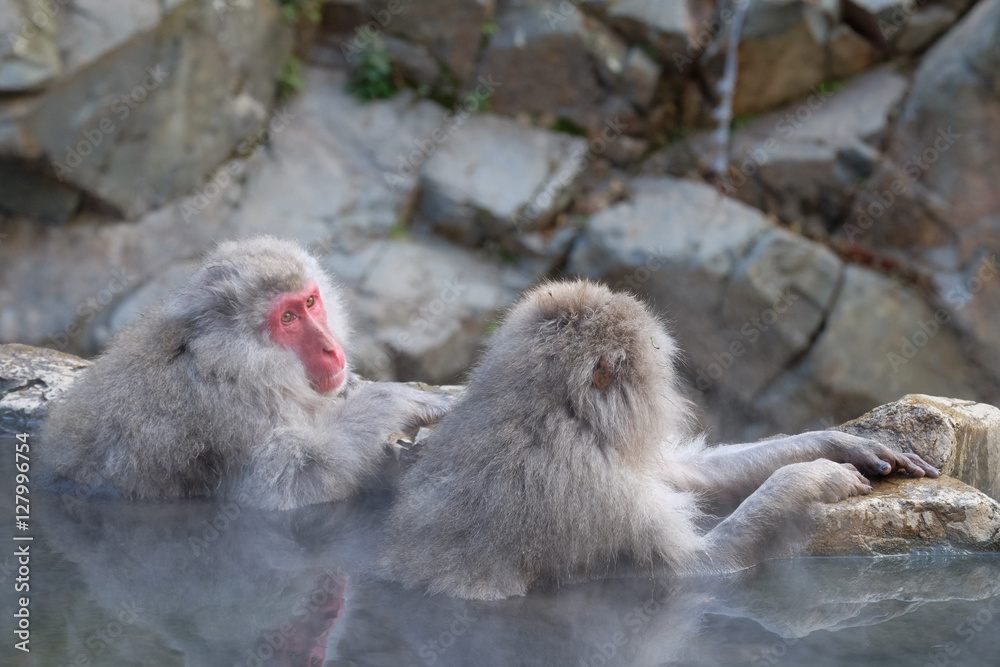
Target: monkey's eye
[
  {"x": 310, "y": 302},
  {"x": 287, "y": 317}
]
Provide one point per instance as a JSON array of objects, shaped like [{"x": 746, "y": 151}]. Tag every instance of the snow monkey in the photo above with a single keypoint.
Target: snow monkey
[
  {"x": 572, "y": 450},
  {"x": 237, "y": 386}
]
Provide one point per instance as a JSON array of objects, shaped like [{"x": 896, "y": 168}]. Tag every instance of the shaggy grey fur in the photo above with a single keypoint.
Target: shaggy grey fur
[
  {"x": 571, "y": 449},
  {"x": 195, "y": 399}
]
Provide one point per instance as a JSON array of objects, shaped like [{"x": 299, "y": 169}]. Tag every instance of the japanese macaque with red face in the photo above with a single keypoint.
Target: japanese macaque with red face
[{"x": 237, "y": 387}]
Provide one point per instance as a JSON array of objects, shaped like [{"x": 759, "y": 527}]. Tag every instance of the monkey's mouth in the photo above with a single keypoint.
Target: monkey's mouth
[{"x": 330, "y": 382}]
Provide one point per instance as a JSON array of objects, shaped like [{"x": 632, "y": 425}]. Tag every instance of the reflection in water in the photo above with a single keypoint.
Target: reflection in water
[{"x": 201, "y": 583}]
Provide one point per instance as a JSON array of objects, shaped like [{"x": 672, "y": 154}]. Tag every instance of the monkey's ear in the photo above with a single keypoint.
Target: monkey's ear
[{"x": 604, "y": 373}]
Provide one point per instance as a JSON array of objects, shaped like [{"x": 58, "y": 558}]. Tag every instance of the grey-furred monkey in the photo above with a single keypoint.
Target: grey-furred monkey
[
  {"x": 571, "y": 450},
  {"x": 238, "y": 387}
]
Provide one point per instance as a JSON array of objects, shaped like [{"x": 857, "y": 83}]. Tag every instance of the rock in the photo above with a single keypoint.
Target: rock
[
  {"x": 899, "y": 26},
  {"x": 29, "y": 54},
  {"x": 760, "y": 292},
  {"x": 776, "y": 34},
  {"x": 328, "y": 171},
  {"x": 805, "y": 160},
  {"x": 879, "y": 342},
  {"x": 947, "y": 133},
  {"x": 926, "y": 25},
  {"x": 666, "y": 26},
  {"x": 60, "y": 287},
  {"x": 146, "y": 105},
  {"x": 30, "y": 378},
  {"x": 931, "y": 203},
  {"x": 422, "y": 309},
  {"x": 801, "y": 163},
  {"x": 580, "y": 68},
  {"x": 961, "y": 438},
  {"x": 902, "y": 515},
  {"x": 494, "y": 180},
  {"x": 450, "y": 30},
  {"x": 94, "y": 28},
  {"x": 27, "y": 189},
  {"x": 849, "y": 52}
]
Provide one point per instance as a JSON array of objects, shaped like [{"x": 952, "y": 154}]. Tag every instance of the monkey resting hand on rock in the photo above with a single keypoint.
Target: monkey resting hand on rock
[
  {"x": 571, "y": 450},
  {"x": 237, "y": 386}
]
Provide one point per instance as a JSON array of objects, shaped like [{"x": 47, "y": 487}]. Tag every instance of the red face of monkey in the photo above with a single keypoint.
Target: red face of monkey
[{"x": 298, "y": 320}]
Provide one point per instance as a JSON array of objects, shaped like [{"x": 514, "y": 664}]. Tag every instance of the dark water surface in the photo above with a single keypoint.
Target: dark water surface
[{"x": 198, "y": 583}]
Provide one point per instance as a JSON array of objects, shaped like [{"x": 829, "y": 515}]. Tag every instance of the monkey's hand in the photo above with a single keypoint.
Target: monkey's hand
[
  {"x": 821, "y": 481},
  {"x": 871, "y": 457},
  {"x": 429, "y": 407},
  {"x": 774, "y": 516}
]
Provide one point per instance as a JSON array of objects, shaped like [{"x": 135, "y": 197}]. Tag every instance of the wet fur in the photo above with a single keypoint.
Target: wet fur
[
  {"x": 194, "y": 399},
  {"x": 571, "y": 450}
]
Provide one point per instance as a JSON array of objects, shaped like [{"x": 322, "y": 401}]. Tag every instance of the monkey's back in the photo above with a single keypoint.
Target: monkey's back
[
  {"x": 132, "y": 420},
  {"x": 490, "y": 510},
  {"x": 553, "y": 467}
]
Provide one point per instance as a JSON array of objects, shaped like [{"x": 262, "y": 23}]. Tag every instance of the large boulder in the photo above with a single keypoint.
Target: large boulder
[
  {"x": 961, "y": 438},
  {"x": 802, "y": 162},
  {"x": 150, "y": 98},
  {"x": 903, "y": 515},
  {"x": 880, "y": 340},
  {"x": 931, "y": 202},
  {"x": 778, "y": 333},
  {"x": 493, "y": 180},
  {"x": 959, "y": 510},
  {"x": 580, "y": 69}
]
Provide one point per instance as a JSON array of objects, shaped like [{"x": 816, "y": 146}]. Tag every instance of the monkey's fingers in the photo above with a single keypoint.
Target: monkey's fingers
[
  {"x": 916, "y": 466},
  {"x": 400, "y": 444},
  {"x": 434, "y": 409},
  {"x": 860, "y": 484}
]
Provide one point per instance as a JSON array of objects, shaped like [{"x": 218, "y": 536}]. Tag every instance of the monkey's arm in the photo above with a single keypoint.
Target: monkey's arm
[
  {"x": 332, "y": 460},
  {"x": 414, "y": 406},
  {"x": 773, "y": 516},
  {"x": 727, "y": 474}
]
